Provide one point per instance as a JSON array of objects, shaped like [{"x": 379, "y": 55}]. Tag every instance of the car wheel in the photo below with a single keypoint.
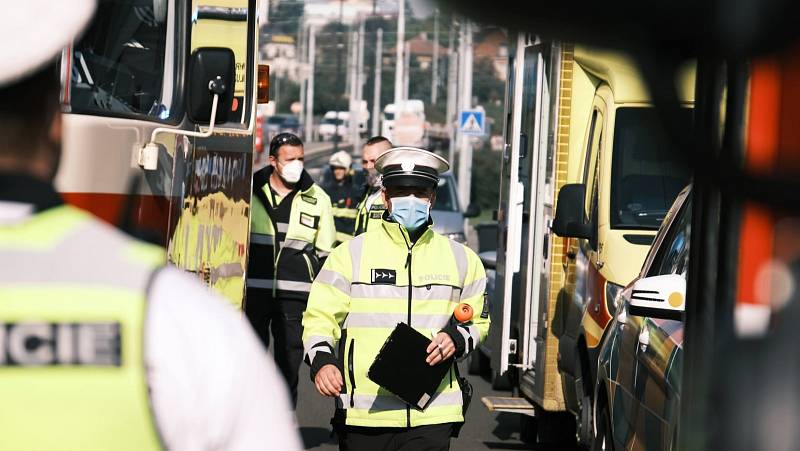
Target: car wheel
[
  {"x": 527, "y": 428},
  {"x": 556, "y": 429},
  {"x": 585, "y": 432},
  {"x": 501, "y": 382},
  {"x": 603, "y": 440}
]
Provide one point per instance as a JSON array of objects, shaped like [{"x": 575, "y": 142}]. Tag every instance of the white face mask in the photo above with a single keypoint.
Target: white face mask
[{"x": 291, "y": 171}]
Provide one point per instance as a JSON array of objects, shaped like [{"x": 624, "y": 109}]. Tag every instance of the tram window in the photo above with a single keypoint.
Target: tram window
[
  {"x": 646, "y": 170},
  {"x": 118, "y": 66}
]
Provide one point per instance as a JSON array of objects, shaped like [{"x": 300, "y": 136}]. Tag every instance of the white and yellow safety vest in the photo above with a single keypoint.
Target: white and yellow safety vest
[
  {"x": 72, "y": 310},
  {"x": 367, "y": 286},
  {"x": 286, "y": 252}
]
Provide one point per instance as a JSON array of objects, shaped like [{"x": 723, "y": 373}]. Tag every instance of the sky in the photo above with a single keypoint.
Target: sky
[{"x": 351, "y": 8}]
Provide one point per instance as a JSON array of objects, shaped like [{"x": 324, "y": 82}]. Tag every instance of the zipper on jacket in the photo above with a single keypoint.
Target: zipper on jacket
[
  {"x": 310, "y": 269},
  {"x": 351, "y": 373},
  {"x": 410, "y": 285}
]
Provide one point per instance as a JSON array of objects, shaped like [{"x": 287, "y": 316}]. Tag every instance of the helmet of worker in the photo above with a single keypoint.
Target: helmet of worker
[
  {"x": 341, "y": 159},
  {"x": 410, "y": 177}
]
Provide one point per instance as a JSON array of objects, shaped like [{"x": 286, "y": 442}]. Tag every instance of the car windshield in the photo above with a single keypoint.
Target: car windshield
[
  {"x": 332, "y": 121},
  {"x": 646, "y": 172},
  {"x": 388, "y": 116},
  {"x": 445, "y": 195}
]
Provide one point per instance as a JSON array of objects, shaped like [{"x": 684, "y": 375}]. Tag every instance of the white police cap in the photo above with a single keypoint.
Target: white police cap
[
  {"x": 410, "y": 166},
  {"x": 34, "y": 32}
]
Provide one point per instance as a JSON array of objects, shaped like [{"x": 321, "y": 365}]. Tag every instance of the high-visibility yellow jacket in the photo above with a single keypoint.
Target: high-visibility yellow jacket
[
  {"x": 286, "y": 256},
  {"x": 369, "y": 217},
  {"x": 367, "y": 286},
  {"x": 72, "y": 310}
]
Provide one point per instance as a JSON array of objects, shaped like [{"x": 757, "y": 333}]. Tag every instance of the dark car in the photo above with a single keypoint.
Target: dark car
[
  {"x": 637, "y": 399},
  {"x": 281, "y": 123}
]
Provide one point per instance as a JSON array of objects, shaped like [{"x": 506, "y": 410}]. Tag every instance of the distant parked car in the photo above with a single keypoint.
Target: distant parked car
[
  {"x": 334, "y": 122},
  {"x": 281, "y": 123},
  {"x": 448, "y": 216}
]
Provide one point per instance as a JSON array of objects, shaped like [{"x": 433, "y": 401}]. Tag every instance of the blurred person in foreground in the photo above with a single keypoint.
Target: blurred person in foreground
[
  {"x": 103, "y": 347},
  {"x": 371, "y": 206}
]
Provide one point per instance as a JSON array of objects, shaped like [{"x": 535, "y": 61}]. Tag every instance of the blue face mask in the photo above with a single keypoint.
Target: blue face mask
[{"x": 410, "y": 212}]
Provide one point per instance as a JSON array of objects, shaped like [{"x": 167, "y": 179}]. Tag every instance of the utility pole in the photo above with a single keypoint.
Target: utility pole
[
  {"x": 398, "y": 72},
  {"x": 339, "y": 45},
  {"x": 376, "y": 94},
  {"x": 465, "y": 148},
  {"x": 312, "y": 56},
  {"x": 361, "y": 109},
  {"x": 407, "y": 71},
  {"x": 435, "y": 67},
  {"x": 354, "y": 89},
  {"x": 302, "y": 59},
  {"x": 452, "y": 93}
]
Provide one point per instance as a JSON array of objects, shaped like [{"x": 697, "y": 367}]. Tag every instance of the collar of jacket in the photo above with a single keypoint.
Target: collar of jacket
[
  {"x": 25, "y": 189},
  {"x": 400, "y": 235},
  {"x": 261, "y": 178}
]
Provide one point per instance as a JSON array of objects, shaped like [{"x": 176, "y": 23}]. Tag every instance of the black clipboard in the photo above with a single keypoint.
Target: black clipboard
[{"x": 400, "y": 367}]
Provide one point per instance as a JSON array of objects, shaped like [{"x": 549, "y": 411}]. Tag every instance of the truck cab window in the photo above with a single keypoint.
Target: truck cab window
[
  {"x": 118, "y": 66},
  {"x": 646, "y": 171}
]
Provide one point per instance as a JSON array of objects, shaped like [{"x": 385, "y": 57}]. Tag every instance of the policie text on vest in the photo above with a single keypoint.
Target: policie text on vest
[{"x": 41, "y": 344}]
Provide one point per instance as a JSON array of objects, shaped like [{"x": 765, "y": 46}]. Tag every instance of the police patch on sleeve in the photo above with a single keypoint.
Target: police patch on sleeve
[
  {"x": 67, "y": 344},
  {"x": 384, "y": 276},
  {"x": 309, "y": 220}
]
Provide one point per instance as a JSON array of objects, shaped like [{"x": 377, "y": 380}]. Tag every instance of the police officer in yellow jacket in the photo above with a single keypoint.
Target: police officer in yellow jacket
[
  {"x": 291, "y": 233},
  {"x": 102, "y": 346},
  {"x": 401, "y": 271},
  {"x": 371, "y": 207}
]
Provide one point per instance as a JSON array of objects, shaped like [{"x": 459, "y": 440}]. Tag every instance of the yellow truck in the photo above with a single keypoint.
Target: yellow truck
[{"x": 588, "y": 175}]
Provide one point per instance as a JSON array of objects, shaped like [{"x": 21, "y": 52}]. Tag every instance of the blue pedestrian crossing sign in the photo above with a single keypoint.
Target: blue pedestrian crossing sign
[{"x": 472, "y": 122}]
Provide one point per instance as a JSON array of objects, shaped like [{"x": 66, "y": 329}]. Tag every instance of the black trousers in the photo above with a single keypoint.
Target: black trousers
[
  {"x": 283, "y": 318},
  {"x": 421, "y": 438}
]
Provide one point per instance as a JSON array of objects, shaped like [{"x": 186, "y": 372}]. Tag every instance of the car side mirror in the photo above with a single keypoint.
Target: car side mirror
[
  {"x": 660, "y": 297},
  {"x": 569, "y": 213},
  {"x": 473, "y": 210},
  {"x": 211, "y": 72},
  {"x": 489, "y": 259}
]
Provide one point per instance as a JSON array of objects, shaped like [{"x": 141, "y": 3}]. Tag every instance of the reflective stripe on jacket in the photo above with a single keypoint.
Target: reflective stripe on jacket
[
  {"x": 286, "y": 269},
  {"x": 371, "y": 218},
  {"x": 72, "y": 310},
  {"x": 361, "y": 294}
]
